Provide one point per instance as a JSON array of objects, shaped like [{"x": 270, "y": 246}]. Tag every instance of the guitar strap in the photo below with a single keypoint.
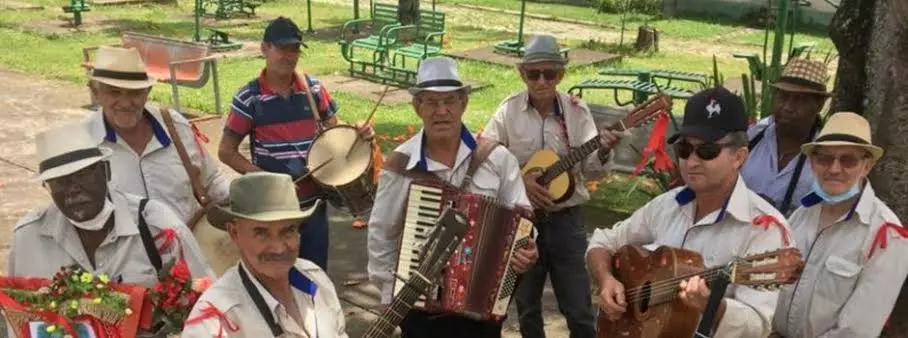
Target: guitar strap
[
  {"x": 147, "y": 241},
  {"x": 259, "y": 302},
  {"x": 397, "y": 163}
]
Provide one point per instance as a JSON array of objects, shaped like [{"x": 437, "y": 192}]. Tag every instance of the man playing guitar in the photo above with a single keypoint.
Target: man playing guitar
[
  {"x": 542, "y": 118},
  {"x": 442, "y": 149},
  {"x": 715, "y": 214}
]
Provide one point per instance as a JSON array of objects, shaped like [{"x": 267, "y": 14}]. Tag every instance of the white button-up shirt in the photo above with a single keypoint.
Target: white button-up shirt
[
  {"x": 522, "y": 129},
  {"x": 158, "y": 173},
  {"x": 720, "y": 237},
  {"x": 761, "y": 171},
  {"x": 45, "y": 241},
  {"x": 842, "y": 292},
  {"x": 227, "y": 310},
  {"x": 498, "y": 176}
]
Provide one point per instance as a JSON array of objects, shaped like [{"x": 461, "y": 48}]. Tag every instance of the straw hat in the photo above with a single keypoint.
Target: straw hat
[
  {"x": 121, "y": 68},
  {"x": 845, "y": 129},
  {"x": 803, "y": 76},
  {"x": 438, "y": 74},
  {"x": 261, "y": 196},
  {"x": 66, "y": 149}
]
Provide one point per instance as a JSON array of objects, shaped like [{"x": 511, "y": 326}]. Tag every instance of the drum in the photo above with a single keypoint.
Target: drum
[
  {"x": 348, "y": 182},
  {"x": 220, "y": 252}
]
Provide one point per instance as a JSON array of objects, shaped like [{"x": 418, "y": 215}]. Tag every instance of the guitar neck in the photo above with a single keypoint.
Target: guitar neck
[
  {"x": 664, "y": 291},
  {"x": 575, "y": 156},
  {"x": 394, "y": 314}
]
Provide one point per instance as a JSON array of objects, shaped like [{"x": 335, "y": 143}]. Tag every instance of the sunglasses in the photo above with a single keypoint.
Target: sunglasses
[
  {"x": 705, "y": 151},
  {"x": 847, "y": 161},
  {"x": 534, "y": 74}
]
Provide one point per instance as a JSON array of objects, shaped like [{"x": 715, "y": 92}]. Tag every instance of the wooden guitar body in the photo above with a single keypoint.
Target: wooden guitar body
[
  {"x": 562, "y": 186},
  {"x": 637, "y": 267}
]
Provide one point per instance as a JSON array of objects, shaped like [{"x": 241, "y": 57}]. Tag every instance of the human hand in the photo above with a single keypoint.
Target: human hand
[
  {"x": 611, "y": 298},
  {"x": 525, "y": 257},
  {"x": 694, "y": 293},
  {"x": 365, "y": 130},
  {"x": 539, "y": 196},
  {"x": 608, "y": 139}
]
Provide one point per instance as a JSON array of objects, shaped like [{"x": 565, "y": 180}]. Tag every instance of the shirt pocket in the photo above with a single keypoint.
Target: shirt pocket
[
  {"x": 835, "y": 283},
  {"x": 485, "y": 183}
]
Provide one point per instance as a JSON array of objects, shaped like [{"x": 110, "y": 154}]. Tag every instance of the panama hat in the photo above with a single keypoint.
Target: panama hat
[
  {"x": 542, "y": 48},
  {"x": 121, "y": 68},
  {"x": 845, "y": 129},
  {"x": 438, "y": 74},
  {"x": 66, "y": 149},
  {"x": 803, "y": 76},
  {"x": 260, "y": 196}
]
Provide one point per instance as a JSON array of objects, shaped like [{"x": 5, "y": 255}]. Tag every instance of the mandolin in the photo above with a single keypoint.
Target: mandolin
[
  {"x": 448, "y": 233},
  {"x": 652, "y": 281},
  {"x": 556, "y": 175}
]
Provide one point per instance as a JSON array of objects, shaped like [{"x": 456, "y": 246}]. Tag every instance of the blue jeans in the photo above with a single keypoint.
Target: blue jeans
[
  {"x": 562, "y": 243},
  {"x": 314, "y": 238}
]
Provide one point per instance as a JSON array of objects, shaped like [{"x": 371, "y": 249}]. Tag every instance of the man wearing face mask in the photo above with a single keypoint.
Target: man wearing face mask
[
  {"x": 270, "y": 292},
  {"x": 775, "y": 169},
  {"x": 543, "y": 118},
  {"x": 100, "y": 229},
  {"x": 854, "y": 244}
]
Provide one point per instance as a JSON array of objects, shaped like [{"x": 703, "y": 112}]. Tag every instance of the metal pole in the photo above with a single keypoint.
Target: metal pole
[
  {"x": 355, "y": 9},
  {"x": 523, "y": 11},
  {"x": 309, "y": 13},
  {"x": 778, "y": 46},
  {"x": 198, "y": 24}
]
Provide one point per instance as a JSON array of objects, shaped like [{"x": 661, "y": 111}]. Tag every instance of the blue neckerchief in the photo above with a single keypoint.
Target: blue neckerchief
[
  {"x": 156, "y": 127},
  {"x": 307, "y": 286},
  {"x": 465, "y": 137},
  {"x": 687, "y": 195}
]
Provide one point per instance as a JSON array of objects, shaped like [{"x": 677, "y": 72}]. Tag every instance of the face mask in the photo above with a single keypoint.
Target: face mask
[
  {"x": 829, "y": 199},
  {"x": 99, "y": 220}
]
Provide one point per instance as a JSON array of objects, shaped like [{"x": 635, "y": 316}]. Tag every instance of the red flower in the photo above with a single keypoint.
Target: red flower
[{"x": 180, "y": 271}]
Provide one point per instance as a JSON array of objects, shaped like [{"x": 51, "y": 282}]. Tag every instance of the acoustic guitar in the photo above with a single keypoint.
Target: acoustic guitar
[
  {"x": 652, "y": 282},
  {"x": 556, "y": 175},
  {"x": 448, "y": 233}
]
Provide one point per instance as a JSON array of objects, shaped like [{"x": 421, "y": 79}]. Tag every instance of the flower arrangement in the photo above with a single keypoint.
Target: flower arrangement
[
  {"x": 72, "y": 295},
  {"x": 174, "y": 296}
]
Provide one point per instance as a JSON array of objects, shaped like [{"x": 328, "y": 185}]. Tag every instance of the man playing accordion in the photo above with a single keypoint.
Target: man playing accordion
[{"x": 442, "y": 150}]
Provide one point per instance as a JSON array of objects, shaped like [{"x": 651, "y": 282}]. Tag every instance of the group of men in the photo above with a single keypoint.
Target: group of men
[{"x": 120, "y": 178}]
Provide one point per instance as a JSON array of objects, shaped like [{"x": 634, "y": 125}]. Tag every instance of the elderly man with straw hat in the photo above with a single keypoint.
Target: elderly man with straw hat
[
  {"x": 775, "y": 169},
  {"x": 855, "y": 246},
  {"x": 538, "y": 118},
  {"x": 444, "y": 151},
  {"x": 155, "y": 152},
  {"x": 89, "y": 224},
  {"x": 270, "y": 292}
]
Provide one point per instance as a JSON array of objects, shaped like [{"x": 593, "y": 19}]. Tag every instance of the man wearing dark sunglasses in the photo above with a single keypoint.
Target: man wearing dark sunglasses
[
  {"x": 714, "y": 214},
  {"x": 543, "y": 118},
  {"x": 854, "y": 244},
  {"x": 775, "y": 168}
]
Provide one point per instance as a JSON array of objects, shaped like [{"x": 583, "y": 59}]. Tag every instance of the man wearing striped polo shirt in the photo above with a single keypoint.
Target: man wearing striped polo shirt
[{"x": 274, "y": 111}]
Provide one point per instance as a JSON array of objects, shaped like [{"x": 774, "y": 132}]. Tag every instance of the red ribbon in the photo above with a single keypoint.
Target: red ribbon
[
  {"x": 210, "y": 312},
  {"x": 881, "y": 238},
  {"x": 766, "y": 220},
  {"x": 169, "y": 236},
  {"x": 199, "y": 138},
  {"x": 656, "y": 147}
]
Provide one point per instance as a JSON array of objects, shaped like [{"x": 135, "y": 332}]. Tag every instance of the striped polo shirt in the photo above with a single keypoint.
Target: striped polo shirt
[{"x": 281, "y": 130}]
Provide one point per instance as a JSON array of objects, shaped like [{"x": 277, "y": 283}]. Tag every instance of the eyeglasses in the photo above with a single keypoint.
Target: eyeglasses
[
  {"x": 705, "y": 151},
  {"x": 549, "y": 74},
  {"x": 847, "y": 161},
  {"x": 449, "y": 101}
]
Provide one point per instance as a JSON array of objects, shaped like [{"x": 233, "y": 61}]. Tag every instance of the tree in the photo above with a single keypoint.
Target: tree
[
  {"x": 407, "y": 11},
  {"x": 872, "y": 38}
]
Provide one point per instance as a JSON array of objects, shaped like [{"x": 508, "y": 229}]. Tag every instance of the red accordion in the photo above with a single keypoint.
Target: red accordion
[{"x": 478, "y": 281}]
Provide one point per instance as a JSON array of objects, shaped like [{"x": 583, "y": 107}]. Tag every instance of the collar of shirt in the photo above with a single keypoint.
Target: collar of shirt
[
  {"x": 62, "y": 231},
  {"x": 864, "y": 207},
  {"x": 528, "y": 107},
  {"x": 417, "y": 145},
  {"x": 266, "y": 90},
  {"x": 102, "y": 130},
  {"x": 737, "y": 205},
  {"x": 298, "y": 281}
]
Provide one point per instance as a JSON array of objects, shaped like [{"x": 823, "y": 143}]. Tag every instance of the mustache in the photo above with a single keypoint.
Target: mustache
[
  {"x": 77, "y": 199},
  {"x": 286, "y": 257}
]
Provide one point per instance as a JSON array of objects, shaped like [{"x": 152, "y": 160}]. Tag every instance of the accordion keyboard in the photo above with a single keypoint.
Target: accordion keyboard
[{"x": 424, "y": 206}]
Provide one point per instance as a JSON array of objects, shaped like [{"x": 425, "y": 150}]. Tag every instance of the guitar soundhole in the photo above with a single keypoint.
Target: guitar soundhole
[{"x": 645, "y": 292}]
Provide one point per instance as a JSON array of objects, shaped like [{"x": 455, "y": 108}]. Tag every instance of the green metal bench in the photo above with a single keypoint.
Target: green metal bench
[
  {"x": 225, "y": 9},
  {"x": 638, "y": 88},
  {"x": 701, "y": 79},
  {"x": 77, "y": 7},
  {"x": 430, "y": 33},
  {"x": 379, "y": 41}
]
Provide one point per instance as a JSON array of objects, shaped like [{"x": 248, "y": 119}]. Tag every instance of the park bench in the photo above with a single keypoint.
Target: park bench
[
  {"x": 638, "y": 88},
  {"x": 225, "y": 9},
  {"x": 430, "y": 33},
  {"x": 76, "y": 8},
  {"x": 175, "y": 62},
  {"x": 383, "y": 18}
]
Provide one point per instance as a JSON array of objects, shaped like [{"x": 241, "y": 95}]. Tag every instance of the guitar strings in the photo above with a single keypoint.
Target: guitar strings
[{"x": 662, "y": 288}]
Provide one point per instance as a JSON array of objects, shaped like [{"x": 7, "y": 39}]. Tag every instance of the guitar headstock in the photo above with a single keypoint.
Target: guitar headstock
[
  {"x": 769, "y": 270},
  {"x": 449, "y": 230},
  {"x": 646, "y": 112}
]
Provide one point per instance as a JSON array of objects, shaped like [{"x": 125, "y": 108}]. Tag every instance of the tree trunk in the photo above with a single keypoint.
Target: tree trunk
[
  {"x": 886, "y": 92},
  {"x": 647, "y": 38},
  {"x": 850, "y": 31},
  {"x": 407, "y": 11}
]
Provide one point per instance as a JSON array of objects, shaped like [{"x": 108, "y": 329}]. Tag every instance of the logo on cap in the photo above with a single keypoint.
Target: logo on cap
[{"x": 713, "y": 108}]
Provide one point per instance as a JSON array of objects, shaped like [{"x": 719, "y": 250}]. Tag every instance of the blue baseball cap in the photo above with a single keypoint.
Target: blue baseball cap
[{"x": 283, "y": 31}]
